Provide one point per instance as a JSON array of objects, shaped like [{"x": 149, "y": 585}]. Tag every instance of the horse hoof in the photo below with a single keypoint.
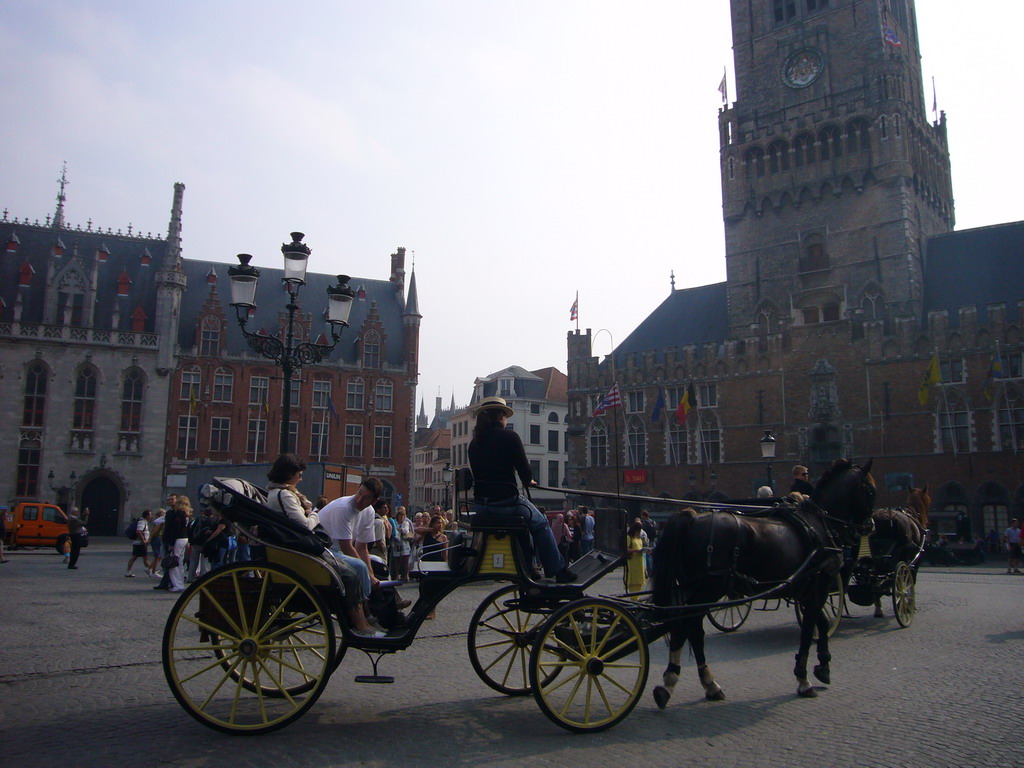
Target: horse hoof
[
  {"x": 808, "y": 692},
  {"x": 823, "y": 674},
  {"x": 714, "y": 693},
  {"x": 661, "y": 696},
  {"x": 879, "y": 614}
]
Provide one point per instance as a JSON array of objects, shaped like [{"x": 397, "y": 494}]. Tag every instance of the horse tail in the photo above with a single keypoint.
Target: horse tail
[{"x": 667, "y": 555}]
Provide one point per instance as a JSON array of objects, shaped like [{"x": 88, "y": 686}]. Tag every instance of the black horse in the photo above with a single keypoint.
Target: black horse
[{"x": 700, "y": 558}]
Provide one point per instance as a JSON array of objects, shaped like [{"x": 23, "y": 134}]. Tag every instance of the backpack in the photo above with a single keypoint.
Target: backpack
[{"x": 132, "y": 531}]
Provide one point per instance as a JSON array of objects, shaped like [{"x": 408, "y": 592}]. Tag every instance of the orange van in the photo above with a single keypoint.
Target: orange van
[{"x": 38, "y": 524}]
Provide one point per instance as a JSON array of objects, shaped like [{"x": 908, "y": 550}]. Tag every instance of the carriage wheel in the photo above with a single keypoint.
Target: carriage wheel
[
  {"x": 602, "y": 656},
  {"x": 501, "y": 634},
  {"x": 904, "y": 600},
  {"x": 730, "y": 618},
  {"x": 833, "y": 608},
  {"x": 248, "y": 648}
]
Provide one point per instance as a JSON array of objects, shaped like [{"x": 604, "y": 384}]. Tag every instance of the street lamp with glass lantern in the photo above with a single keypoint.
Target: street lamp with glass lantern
[
  {"x": 446, "y": 475},
  {"x": 63, "y": 491},
  {"x": 288, "y": 355},
  {"x": 768, "y": 452}
]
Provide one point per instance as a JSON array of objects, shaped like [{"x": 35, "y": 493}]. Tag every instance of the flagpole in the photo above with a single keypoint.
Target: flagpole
[
  {"x": 945, "y": 402},
  {"x": 320, "y": 445},
  {"x": 618, "y": 469},
  {"x": 188, "y": 425},
  {"x": 577, "y": 305}
]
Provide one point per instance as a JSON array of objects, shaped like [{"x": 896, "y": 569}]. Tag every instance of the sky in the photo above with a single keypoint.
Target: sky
[{"x": 522, "y": 151}]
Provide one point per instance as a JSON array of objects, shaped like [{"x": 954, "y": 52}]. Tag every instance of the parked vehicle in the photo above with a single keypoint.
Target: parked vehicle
[{"x": 38, "y": 524}]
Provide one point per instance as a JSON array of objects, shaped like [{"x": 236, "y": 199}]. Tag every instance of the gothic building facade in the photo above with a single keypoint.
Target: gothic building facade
[
  {"x": 843, "y": 280},
  {"x": 124, "y": 364}
]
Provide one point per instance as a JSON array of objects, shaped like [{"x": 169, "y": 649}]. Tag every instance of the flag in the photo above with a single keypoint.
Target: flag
[
  {"x": 574, "y": 310},
  {"x": 611, "y": 400},
  {"x": 723, "y": 88},
  {"x": 266, "y": 406},
  {"x": 890, "y": 36},
  {"x": 935, "y": 98},
  {"x": 191, "y": 400},
  {"x": 995, "y": 371},
  {"x": 931, "y": 376},
  {"x": 686, "y": 404},
  {"x": 332, "y": 409},
  {"x": 659, "y": 405}
]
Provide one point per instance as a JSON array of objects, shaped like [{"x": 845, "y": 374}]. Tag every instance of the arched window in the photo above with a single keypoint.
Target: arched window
[
  {"x": 371, "y": 350},
  {"x": 191, "y": 381},
  {"x": 209, "y": 339},
  {"x": 131, "y": 402},
  {"x": 598, "y": 441},
  {"x": 814, "y": 256},
  {"x": 857, "y": 139},
  {"x": 754, "y": 162},
  {"x": 883, "y": 127},
  {"x": 778, "y": 157},
  {"x": 803, "y": 150},
  {"x": 34, "y": 406},
  {"x": 1010, "y": 417},
  {"x": 954, "y": 423},
  {"x": 383, "y": 395},
  {"x": 354, "y": 394},
  {"x": 732, "y": 167},
  {"x": 84, "y": 409},
  {"x": 830, "y": 142},
  {"x": 636, "y": 444}
]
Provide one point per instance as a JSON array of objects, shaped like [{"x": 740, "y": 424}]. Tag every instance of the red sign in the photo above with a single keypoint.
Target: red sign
[{"x": 634, "y": 476}]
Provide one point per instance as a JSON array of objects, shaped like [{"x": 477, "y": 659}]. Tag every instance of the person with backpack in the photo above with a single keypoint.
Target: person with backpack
[{"x": 138, "y": 532}]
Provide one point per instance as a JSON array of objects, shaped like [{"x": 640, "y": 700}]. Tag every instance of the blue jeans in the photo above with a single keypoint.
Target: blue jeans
[
  {"x": 540, "y": 529},
  {"x": 362, "y": 572}
]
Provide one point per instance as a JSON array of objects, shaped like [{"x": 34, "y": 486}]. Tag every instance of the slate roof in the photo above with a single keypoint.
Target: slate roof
[
  {"x": 125, "y": 257},
  {"x": 974, "y": 268},
  {"x": 271, "y": 300},
  {"x": 688, "y": 316}
]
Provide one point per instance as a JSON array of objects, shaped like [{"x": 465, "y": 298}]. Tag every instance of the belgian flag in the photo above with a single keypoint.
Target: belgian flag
[{"x": 686, "y": 404}]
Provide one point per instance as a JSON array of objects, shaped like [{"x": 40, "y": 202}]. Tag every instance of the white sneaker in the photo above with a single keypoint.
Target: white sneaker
[
  {"x": 367, "y": 633},
  {"x": 129, "y": 575}
]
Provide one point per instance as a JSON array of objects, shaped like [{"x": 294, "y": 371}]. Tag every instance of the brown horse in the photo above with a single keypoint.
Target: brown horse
[
  {"x": 904, "y": 528},
  {"x": 699, "y": 558}
]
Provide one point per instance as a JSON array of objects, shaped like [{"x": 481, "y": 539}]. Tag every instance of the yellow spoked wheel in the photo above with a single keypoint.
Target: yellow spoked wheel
[
  {"x": 500, "y": 637},
  {"x": 731, "y": 617},
  {"x": 904, "y": 599},
  {"x": 833, "y": 607},
  {"x": 248, "y": 648},
  {"x": 589, "y": 665}
]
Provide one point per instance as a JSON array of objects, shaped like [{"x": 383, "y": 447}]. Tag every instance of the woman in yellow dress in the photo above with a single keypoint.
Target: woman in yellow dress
[{"x": 636, "y": 568}]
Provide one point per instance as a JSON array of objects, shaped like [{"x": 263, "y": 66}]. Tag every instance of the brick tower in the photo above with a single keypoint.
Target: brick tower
[{"x": 833, "y": 176}]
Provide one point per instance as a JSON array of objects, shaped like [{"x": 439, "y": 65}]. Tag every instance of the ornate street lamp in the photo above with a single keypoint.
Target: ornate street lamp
[
  {"x": 446, "y": 474},
  {"x": 768, "y": 452},
  {"x": 288, "y": 355},
  {"x": 63, "y": 491}
]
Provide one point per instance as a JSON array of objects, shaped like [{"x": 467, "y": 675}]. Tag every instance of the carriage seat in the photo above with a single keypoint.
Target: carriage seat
[{"x": 496, "y": 522}]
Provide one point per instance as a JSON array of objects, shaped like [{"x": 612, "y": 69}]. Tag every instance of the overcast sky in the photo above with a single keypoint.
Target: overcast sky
[{"x": 524, "y": 150}]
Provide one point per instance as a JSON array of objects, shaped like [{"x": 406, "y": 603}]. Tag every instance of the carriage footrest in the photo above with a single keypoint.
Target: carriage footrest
[{"x": 378, "y": 679}]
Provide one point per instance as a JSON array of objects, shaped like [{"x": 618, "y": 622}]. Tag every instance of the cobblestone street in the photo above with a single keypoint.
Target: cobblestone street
[{"x": 81, "y": 683}]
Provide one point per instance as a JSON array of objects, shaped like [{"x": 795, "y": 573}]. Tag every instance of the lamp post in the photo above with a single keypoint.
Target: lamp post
[
  {"x": 446, "y": 475},
  {"x": 768, "y": 452},
  {"x": 63, "y": 491},
  {"x": 288, "y": 355}
]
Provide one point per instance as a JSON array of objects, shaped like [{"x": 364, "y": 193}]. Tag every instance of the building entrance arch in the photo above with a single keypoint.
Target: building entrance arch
[{"x": 102, "y": 496}]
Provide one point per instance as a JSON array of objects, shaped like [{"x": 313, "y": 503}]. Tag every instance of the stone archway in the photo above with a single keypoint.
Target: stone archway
[{"x": 103, "y": 497}]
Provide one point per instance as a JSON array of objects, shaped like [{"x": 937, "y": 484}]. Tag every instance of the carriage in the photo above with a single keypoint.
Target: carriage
[{"x": 249, "y": 647}]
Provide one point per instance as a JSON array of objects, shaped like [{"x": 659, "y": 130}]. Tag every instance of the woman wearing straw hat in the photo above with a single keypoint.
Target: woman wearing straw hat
[{"x": 496, "y": 456}]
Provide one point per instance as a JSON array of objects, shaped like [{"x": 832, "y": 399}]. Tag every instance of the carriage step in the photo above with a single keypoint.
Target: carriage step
[{"x": 377, "y": 679}]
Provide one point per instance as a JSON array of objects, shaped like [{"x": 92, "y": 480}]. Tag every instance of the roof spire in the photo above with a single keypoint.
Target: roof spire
[
  {"x": 58, "y": 217},
  {"x": 672, "y": 278}
]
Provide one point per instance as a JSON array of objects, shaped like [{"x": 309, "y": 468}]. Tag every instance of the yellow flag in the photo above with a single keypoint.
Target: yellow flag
[
  {"x": 191, "y": 400},
  {"x": 931, "y": 376}
]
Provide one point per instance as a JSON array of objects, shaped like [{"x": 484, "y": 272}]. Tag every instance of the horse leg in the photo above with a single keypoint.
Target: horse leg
[
  {"x": 878, "y": 608},
  {"x": 803, "y": 687},
  {"x": 662, "y": 693},
  {"x": 712, "y": 690},
  {"x": 821, "y": 670}
]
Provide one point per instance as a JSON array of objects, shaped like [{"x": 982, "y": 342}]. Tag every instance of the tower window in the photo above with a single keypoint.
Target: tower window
[
  {"x": 803, "y": 150},
  {"x": 814, "y": 258},
  {"x": 814, "y": 6},
  {"x": 785, "y": 10},
  {"x": 831, "y": 142},
  {"x": 778, "y": 157},
  {"x": 754, "y": 161}
]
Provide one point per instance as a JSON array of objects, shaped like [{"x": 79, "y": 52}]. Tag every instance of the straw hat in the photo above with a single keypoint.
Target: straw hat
[{"x": 494, "y": 404}]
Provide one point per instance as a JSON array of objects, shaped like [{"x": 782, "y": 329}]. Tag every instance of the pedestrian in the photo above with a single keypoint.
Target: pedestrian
[
  {"x": 801, "y": 481},
  {"x": 636, "y": 567},
  {"x": 1011, "y": 537},
  {"x": 156, "y": 540},
  {"x": 76, "y": 532},
  {"x": 3, "y": 534},
  {"x": 405, "y": 538},
  {"x": 575, "y": 534},
  {"x": 497, "y": 457},
  {"x": 140, "y": 545},
  {"x": 587, "y": 524},
  {"x": 175, "y": 539}
]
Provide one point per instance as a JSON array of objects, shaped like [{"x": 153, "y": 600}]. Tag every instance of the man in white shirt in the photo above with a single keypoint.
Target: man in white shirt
[
  {"x": 140, "y": 545},
  {"x": 349, "y": 522}
]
